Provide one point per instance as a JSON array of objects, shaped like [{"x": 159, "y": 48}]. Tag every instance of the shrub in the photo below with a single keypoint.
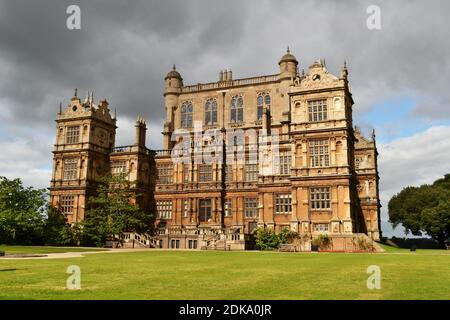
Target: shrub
[
  {"x": 323, "y": 241},
  {"x": 363, "y": 244},
  {"x": 288, "y": 236},
  {"x": 266, "y": 239}
]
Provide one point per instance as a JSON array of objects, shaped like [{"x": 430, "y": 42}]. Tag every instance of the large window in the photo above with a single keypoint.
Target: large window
[
  {"x": 205, "y": 173},
  {"x": 285, "y": 163},
  {"x": 228, "y": 172},
  {"x": 66, "y": 204},
  {"x": 118, "y": 167},
  {"x": 204, "y": 210},
  {"x": 237, "y": 109},
  {"x": 165, "y": 172},
  {"x": 320, "y": 198},
  {"x": 186, "y": 114},
  {"x": 211, "y": 111},
  {"x": 185, "y": 208},
  {"x": 186, "y": 174},
  {"x": 228, "y": 208},
  {"x": 175, "y": 244},
  {"x": 251, "y": 171},
  {"x": 251, "y": 207},
  {"x": 283, "y": 203},
  {"x": 192, "y": 244},
  {"x": 164, "y": 208},
  {"x": 318, "y": 153},
  {"x": 263, "y": 101},
  {"x": 70, "y": 169},
  {"x": 73, "y": 134},
  {"x": 317, "y": 110}
]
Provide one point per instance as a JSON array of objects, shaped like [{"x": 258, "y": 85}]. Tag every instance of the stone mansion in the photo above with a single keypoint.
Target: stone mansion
[{"x": 283, "y": 153}]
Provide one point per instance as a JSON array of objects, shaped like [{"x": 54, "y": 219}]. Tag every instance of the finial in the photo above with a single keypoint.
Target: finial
[
  {"x": 60, "y": 107},
  {"x": 92, "y": 96},
  {"x": 115, "y": 113},
  {"x": 174, "y": 67},
  {"x": 303, "y": 72},
  {"x": 373, "y": 134},
  {"x": 288, "y": 51},
  {"x": 345, "y": 63},
  {"x": 76, "y": 92}
]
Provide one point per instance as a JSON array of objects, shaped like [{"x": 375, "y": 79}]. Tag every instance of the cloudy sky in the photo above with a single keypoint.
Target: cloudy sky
[{"x": 399, "y": 75}]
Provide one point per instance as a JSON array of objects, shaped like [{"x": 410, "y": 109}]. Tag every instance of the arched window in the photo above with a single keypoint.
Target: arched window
[
  {"x": 186, "y": 114},
  {"x": 211, "y": 111},
  {"x": 237, "y": 109},
  {"x": 262, "y": 102}
]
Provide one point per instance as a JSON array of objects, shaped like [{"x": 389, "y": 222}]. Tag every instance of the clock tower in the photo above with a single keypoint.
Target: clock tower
[{"x": 84, "y": 138}]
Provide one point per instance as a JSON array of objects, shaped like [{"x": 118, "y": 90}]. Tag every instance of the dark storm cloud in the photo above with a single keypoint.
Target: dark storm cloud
[{"x": 124, "y": 49}]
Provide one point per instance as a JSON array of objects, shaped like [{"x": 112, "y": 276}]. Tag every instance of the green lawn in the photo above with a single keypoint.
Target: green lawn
[
  {"x": 44, "y": 249},
  {"x": 229, "y": 275},
  {"x": 392, "y": 249}
]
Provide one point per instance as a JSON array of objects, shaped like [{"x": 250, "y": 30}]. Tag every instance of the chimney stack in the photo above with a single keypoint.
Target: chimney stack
[{"x": 141, "y": 129}]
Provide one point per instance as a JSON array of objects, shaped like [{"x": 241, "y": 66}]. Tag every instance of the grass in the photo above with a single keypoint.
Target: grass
[
  {"x": 44, "y": 249},
  {"x": 230, "y": 275}
]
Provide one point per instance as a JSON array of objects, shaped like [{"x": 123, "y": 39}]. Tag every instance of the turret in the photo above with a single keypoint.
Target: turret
[
  {"x": 288, "y": 65},
  {"x": 173, "y": 85}
]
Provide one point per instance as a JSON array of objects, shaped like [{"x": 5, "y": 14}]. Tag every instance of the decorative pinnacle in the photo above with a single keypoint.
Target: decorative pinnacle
[
  {"x": 76, "y": 92},
  {"x": 288, "y": 51},
  {"x": 174, "y": 67}
]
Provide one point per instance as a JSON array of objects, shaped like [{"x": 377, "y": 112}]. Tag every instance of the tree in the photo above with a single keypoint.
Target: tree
[
  {"x": 22, "y": 212},
  {"x": 57, "y": 230},
  {"x": 112, "y": 211},
  {"x": 424, "y": 209}
]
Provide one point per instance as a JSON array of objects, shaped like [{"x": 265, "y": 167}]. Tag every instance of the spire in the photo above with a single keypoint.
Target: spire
[
  {"x": 344, "y": 71},
  {"x": 92, "y": 96},
  {"x": 76, "y": 92},
  {"x": 373, "y": 134}
]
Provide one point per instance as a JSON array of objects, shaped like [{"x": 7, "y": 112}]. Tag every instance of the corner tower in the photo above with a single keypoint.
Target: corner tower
[
  {"x": 172, "y": 90},
  {"x": 85, "y": 134}
]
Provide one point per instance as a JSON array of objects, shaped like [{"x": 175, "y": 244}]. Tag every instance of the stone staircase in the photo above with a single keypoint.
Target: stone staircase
[{"x": 136, "y": 240}]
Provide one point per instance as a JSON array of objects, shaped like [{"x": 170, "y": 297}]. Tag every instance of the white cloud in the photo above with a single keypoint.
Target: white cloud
[
  {"x": 412, "y": 161},
  {"x": 126, "y": 133},
  {"x": 29, "y": 160}
]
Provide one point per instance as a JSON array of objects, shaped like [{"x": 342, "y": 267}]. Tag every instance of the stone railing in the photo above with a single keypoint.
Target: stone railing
[
  {"x": 132, "y": 148},
  {"x": 231, "y": 83}
]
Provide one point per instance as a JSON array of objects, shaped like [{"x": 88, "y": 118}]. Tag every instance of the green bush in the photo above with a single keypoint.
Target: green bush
[{"x": 266, "y": 239}]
